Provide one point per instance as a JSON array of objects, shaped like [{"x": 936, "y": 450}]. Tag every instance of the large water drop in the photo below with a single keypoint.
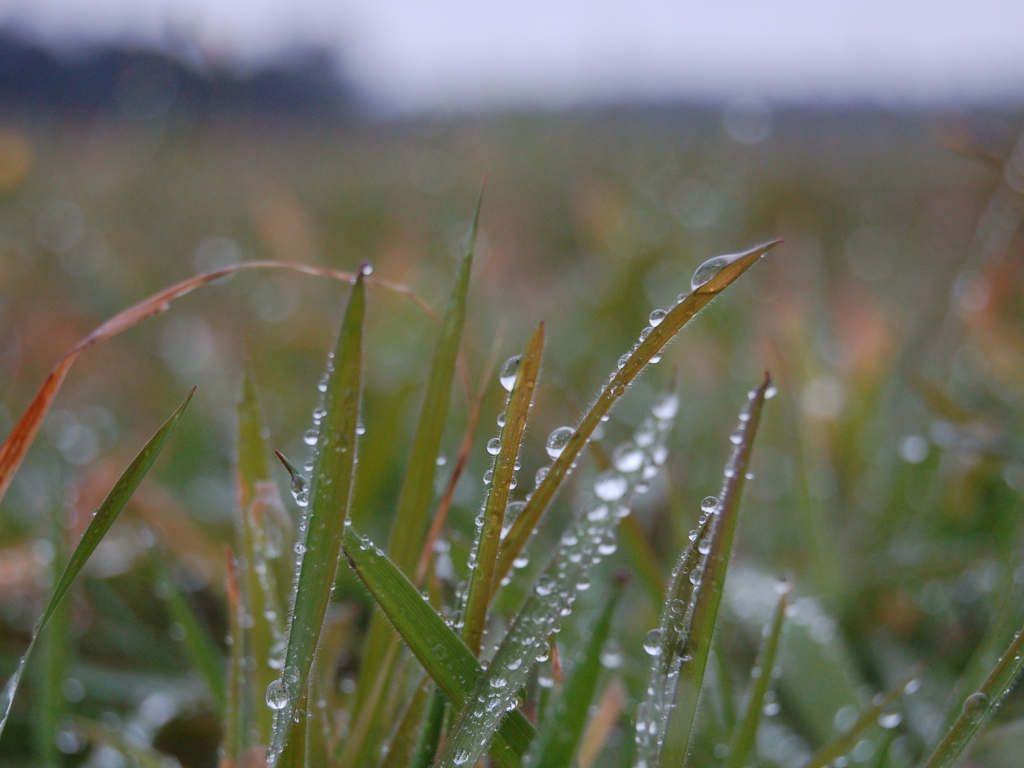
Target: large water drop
[
  {"x": 652, "y": 642},
  {"x": 509, "y": 370},
  {"x": 706, "y": 272},
  {"x": 277, "y": 695},
  {"x": 557, "y": 441}
]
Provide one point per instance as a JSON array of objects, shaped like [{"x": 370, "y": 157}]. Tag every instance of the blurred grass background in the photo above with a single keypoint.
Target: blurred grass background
[{"x": 889, "y": 471}]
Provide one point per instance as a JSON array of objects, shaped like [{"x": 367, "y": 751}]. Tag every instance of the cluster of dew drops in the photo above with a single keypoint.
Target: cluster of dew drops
[
  {"x": 652, "y": 714},
  {"x": 592, "y": 537}
]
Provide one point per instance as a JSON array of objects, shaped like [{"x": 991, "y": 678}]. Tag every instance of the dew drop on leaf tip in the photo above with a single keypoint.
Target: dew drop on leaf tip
[
  {"x": 706, "y": 272},
  {"x": 509, "y": 371}
]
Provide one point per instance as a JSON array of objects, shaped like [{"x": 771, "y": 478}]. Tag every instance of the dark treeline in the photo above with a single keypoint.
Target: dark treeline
[{"x": 145, "y": 84}]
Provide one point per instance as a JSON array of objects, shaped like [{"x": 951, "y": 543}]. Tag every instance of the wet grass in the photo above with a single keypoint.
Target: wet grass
[{"x": 885, "y": 477}]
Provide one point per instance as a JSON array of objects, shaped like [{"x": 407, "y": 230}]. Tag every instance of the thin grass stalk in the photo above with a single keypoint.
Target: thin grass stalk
[
  {"x": 874, "y": 714},
  {"x": 761, "y": 676},
  {"x": 412, "y": 515},
  {"x": 710, "y": 582},
  {"x": 235, "y": 715},
  {"x": 19, "y": 440},
  {"x": 318, "y": 546},
  {"x": 588, "y": 540},
  {"x": 558, "y": 740},
  {"x": 483, "y": 559},
  {"x": 710, "y": 279},
  {"x": 94, "y": 533},
  {"x": 979, "y": 706}
]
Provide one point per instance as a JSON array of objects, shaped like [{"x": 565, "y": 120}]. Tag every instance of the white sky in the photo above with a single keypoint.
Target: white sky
[{"x": 480, "y": 53}]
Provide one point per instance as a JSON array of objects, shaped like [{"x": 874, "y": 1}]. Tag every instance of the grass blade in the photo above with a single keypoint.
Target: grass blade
[
  {"x": 483, "y": 559},
  {"x": 263, "y": 541},
  {"x": 441, "y": 652},
  {"x": 406, "y": 736},
  {"x": 711, "y": 577},
  {"x": 235, "y": 719},
  {"x": 97, "y": 529},
  {"x": 979, "y": 706},
  {"x": 760, "y": 681},
  {"x": 652, "y": 714},
  {"x": 430, "y": 735},
  {"x": 601, "y": 724},
  {"x": 57, "y": 650},
  {"x": 729, "y": 268},
  {"x": 586, "y": 542},
  {"x": 320, "y": 532},
  {"x": 201, "y": 647},
  {"x": 412, "y": 515},
  {"x": 562, "y": 731},
  {"x": 17, "y": 443},
  {"x": 869, "y": 717}
]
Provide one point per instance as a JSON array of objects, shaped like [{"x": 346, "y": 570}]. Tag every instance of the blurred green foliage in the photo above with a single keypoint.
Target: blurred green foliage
[{"x": 889, "y": 472}]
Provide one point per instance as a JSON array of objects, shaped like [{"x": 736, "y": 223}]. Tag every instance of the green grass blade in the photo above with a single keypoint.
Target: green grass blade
[
  {"x": 294, "y": 753},
  {"x": 94, "y": 533},
  {"x": 586, "y": 542},
  {"x": 430, "y": 735},
  {"x": 262, "y": 541},
  {"x": 652, "y": 714},
  {"x": 484, "y": 557},
  {"x": 683, "y": 715},
  {"x": 200, "y": 646},
  {"x": 760, "y": 681},
  {"x": 327, "y": 514},
  {"x": 412, "y": 515},
  {"x": 869, "y": 717},
  {"x": 562, "y": 731},
  {"x": 441, "y": 652},
  {"x": 57, "y": 649},
  {"x": 729, "y": 268},
  {"x": 406, "y": 737},
  {"x": 235, "y": 714},
  {"x": 979, "y": 706}
]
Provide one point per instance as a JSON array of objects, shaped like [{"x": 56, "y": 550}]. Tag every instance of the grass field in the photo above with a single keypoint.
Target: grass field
[{"x": 888, "y": 472}]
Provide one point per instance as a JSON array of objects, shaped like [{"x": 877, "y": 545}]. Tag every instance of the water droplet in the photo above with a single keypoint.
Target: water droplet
[
  {"x": 557, "y": 441},
  {"x": 656, "y": 317},
  {"x": 277, "y": 695},
  {"x": 541, "y": 474},
  {"x": 610, "y": 486},
  {"x": 441, "y": 461},
  {"x": 645, "y": 333},
  {"x": 707, "y": 271},
  {"x": 771, "y": 392},
  {"x": 737, "y": 436},
  {"x": 652, "y": 642},
  {"x": 300, "y": 548},
  {"x": 311, "y": 437},
  {"x": 598, "y": 513},
  {"x": 366, "y": 269},
  {"x": 665, "y": 406},
  {"x": 783, "y": 583},
  {"x": 360, "y": 428},
  {"x": 494, "y": 446},
  {"x": 976, "y": 705},
  {"x": 512, "y": 512},
  {"x": 709, "y": 504},
  {"x": 627, "y": 457},
  {"x": 656, "y": 358},
  {"x": 509, "y": 370},
  {"x": 488, "y": 476},
  {"x": 890, "y": 719}
]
